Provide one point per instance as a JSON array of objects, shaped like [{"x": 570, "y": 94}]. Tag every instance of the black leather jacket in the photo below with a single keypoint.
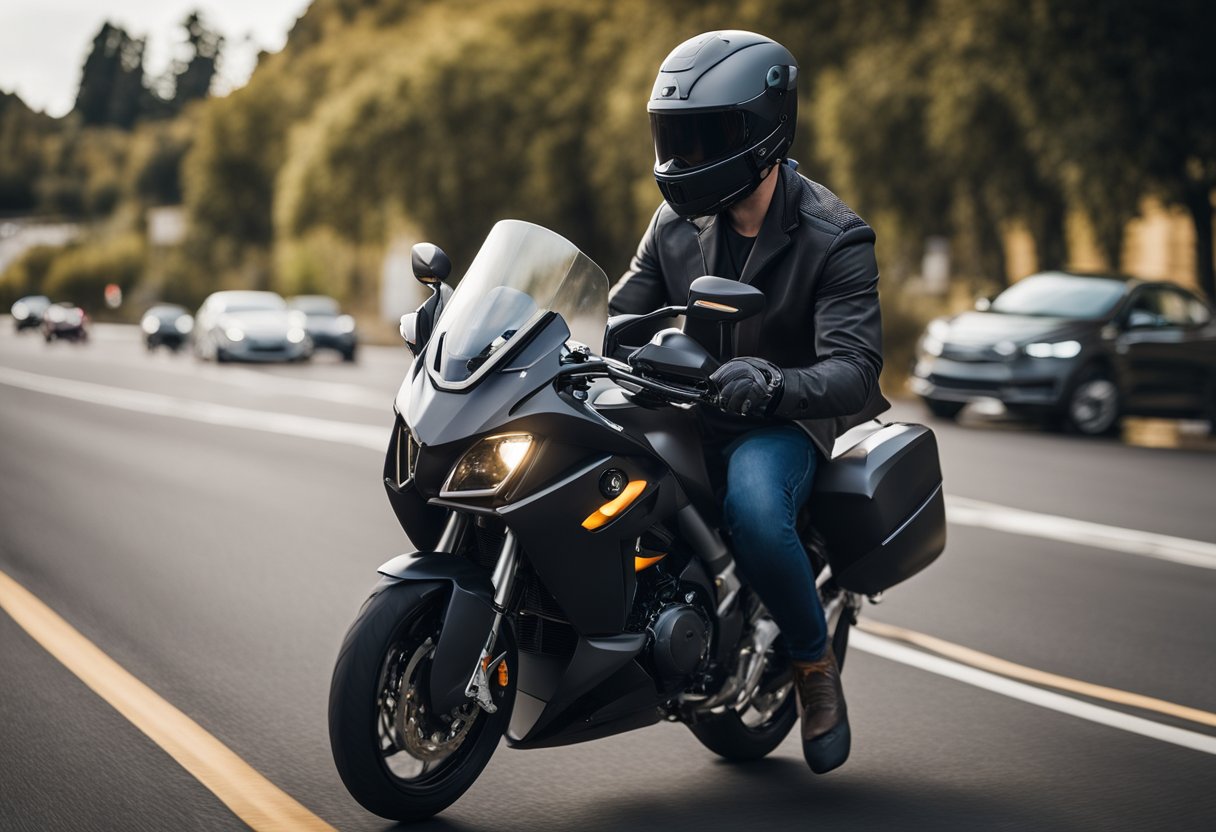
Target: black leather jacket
[{"x": 814, "y": 261}]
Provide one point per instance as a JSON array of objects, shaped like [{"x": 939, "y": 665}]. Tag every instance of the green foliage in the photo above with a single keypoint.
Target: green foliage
[
  {"x": 27, "y": 274},
  {"x": 80, "y": 273}
]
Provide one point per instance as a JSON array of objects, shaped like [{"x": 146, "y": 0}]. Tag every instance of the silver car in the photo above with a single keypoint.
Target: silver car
[{"x": 249, "y": 326}]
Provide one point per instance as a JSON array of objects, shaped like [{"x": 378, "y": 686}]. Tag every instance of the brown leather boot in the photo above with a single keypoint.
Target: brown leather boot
[{"x": 825, "y": 718}]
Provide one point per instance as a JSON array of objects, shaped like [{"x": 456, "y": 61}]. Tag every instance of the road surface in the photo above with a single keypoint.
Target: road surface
[{"x": 209, "y": 530}]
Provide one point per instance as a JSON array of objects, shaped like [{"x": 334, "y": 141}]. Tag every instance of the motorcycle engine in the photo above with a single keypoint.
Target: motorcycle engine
[{"x": 681, "y": 641}]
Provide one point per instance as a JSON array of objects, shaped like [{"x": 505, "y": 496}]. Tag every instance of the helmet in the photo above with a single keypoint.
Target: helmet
[{"x": 723, "y": 109}]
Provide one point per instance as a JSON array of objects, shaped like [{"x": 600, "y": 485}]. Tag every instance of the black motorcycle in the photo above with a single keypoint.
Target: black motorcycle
[{"x": 571, "y": 582}]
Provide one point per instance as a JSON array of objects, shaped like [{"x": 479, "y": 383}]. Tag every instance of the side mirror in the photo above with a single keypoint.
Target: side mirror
[
  {"x": 1142, "y": 319},
  {"x": 431, "y": 266},
  {"x": 409, "y": 331},
  {"x": 725, "y": 301}
]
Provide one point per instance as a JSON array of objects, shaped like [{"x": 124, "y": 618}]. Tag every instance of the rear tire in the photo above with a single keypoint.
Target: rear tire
[
  {"x": 943, "y": 409},
  {"x": 365, "y": 726},
  {"x": 731, "y": 738}
]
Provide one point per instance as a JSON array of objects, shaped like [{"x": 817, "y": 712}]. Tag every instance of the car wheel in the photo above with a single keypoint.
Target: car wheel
[
  {"x": 1093, "y": 407},
  {"x": 944, "y": 409}
]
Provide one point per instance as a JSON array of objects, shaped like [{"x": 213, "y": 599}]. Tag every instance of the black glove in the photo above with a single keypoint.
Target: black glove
[{"x": 748, "y": 386}]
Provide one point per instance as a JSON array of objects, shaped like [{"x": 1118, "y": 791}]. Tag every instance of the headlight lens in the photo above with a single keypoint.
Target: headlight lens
[
  {"x": 295, "y": 335},
  {"x": 184, "y": 324},
  {"x": 489, "y": 464},
  {"x": 150, "y": 324},
  {"x": 346, "y": 323},
  {"x": 1058, "y": 349},
  {"x": 233, "y": 333},
  {"x": 20, "y": 311},
  {"x": 931, "y": 345}
]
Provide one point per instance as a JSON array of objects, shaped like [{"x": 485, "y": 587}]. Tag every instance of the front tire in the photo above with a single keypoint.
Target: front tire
[
  {"x": 1093, "y": 407},
  {"x": 943, "y": 409},
  {"x": 396, "y": 759}
]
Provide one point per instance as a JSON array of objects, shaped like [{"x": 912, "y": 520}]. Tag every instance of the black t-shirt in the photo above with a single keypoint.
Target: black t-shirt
[
  {"x": 716, "y": 426},
  {"x": 735, "y": 250}
]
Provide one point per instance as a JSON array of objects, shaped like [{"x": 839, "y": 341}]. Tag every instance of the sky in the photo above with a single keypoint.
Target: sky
[{"x": 43, "y": 43}]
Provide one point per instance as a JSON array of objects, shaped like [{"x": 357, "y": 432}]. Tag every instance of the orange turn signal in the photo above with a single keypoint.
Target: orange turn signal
[
  {"x": 615, "y": 506},
  {"x": 640, "y": 563}
]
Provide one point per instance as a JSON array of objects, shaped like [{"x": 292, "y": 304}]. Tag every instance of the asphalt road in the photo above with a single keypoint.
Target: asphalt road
[{"x": 220, "y": 564}]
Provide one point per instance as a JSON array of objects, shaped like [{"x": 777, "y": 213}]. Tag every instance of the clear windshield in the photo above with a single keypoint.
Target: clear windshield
[
  {"x": 1060, "y": 295},
  {"x": 521, "y": 272}
]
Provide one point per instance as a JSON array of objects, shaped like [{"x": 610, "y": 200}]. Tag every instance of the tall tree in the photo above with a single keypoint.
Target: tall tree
[
  {"x": 194, "y": 74},
  {"x": 112, "y": 89}
]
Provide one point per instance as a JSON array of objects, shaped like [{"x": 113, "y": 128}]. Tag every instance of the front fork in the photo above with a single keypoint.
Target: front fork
[{"x": 503, "y": 579}]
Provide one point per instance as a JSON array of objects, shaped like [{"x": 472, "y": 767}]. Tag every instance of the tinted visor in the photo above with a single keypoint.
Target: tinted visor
[{"x": 688, "y": 140}]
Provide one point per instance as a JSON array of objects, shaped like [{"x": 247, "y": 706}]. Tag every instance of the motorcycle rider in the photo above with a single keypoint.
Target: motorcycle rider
[{"x": 722, "y": 114}]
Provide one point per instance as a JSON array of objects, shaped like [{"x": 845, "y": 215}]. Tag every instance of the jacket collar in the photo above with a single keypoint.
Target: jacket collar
[{"x": 774, "y": 237}]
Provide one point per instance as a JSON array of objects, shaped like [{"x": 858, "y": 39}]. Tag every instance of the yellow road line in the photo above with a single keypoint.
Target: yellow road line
[
  {"x": 251, "y": 797},
  {"x": 992, "y": 664}
]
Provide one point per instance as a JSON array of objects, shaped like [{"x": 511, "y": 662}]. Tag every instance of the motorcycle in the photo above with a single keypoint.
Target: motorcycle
[{"x": 571, "y": 581}]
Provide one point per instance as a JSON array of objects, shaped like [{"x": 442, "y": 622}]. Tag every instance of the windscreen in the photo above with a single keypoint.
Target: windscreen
[
  {"x": 1060, "y": 296},
  {"x": 521, "y": 272}
]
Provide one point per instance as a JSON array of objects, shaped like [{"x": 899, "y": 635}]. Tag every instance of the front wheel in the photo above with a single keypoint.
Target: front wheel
[
  {"x": 396, "y": 757},
  {"x": 1092, "y": 407}
]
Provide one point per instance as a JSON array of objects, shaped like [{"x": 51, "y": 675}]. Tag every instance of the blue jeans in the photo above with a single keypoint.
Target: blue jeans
[{"x": 769, "y": 472}]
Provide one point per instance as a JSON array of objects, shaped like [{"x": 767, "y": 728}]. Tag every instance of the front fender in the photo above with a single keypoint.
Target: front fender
[{"x": 466, "y": 621}]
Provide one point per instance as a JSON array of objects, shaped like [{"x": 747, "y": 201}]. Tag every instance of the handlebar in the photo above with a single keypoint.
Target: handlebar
[{"x": 616, "y": 371}]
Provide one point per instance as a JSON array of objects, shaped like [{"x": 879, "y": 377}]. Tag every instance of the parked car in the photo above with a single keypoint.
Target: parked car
[
  {"x": 1085, "y": 349},
  {"x": 326, "y": 325},
  {"x": 28, "y": 312},
  {"x": 249, "y": 326},
  {"x": 166, "y": 325},
  {"x": 65, "y": 320}
]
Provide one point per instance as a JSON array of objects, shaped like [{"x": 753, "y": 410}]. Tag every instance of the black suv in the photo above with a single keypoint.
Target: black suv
[{"x": 1087, "y": 349}]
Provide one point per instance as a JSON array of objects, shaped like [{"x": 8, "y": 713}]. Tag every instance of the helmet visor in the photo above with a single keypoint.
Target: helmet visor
[{"x": 689, "y": 140}]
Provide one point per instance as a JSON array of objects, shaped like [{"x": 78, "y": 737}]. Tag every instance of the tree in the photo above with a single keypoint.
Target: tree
[
  {"x": 112, "y": 88},
  {"x": 194, "y": 74}
]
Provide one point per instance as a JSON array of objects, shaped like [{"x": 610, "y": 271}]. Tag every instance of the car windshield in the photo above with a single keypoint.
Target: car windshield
[
  {"x": 1060, "y": 296},
  {"x": 521, "y": 272},
  {"x": 253, "y": 302},
  {"x": 316, "y": 306}
]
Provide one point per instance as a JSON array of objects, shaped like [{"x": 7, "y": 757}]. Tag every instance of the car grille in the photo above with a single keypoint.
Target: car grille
[{"x": 966, "y": 352}]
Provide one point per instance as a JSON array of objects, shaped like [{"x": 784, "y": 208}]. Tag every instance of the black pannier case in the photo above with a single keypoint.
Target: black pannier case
[{"x": 880, "y": 509}]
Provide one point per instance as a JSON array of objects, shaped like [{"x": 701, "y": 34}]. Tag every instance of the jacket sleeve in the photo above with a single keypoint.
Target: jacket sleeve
[
  {"x": 848, "y": 336},
  {"x": 640, "y": 289}
]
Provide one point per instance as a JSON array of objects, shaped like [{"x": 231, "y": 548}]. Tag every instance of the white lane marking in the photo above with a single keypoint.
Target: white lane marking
[
  {"x": 967, "y": 512},
  {"x": 307, "y": 427},
  {"x": 878, "y": 646},
  {"x": 960, "y": 510}
]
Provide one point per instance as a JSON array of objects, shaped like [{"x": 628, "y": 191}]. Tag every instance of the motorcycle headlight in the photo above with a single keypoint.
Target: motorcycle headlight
[
  {"x": 1059, "y": 349},
  {"x": 488, "y": 465}
]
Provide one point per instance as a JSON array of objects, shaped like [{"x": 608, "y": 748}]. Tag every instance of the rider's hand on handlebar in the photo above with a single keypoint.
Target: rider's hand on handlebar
[{"x": 748, "y": 386}]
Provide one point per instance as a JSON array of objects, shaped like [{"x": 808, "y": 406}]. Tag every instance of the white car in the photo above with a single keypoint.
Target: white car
[{"x": 249, "y": 326}]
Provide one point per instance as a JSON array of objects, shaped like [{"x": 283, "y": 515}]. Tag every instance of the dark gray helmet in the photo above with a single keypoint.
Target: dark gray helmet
[{"x": 723, "y": 109}]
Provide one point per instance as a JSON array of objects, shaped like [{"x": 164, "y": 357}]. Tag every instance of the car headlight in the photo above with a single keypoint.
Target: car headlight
[
  {"x": 488, "y": 465},
  {"x": 20, "y": 311},
  {"x": 1057, "y": 349},
  {"x": 295, "y": 335},
  {"x": 149, "y": 325},
  {"x": 931, "y": 345},
  {"x": 345, "y": 323},
  {"x": 184, "y": 324},
  {"x": 233, "y": 333}
]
